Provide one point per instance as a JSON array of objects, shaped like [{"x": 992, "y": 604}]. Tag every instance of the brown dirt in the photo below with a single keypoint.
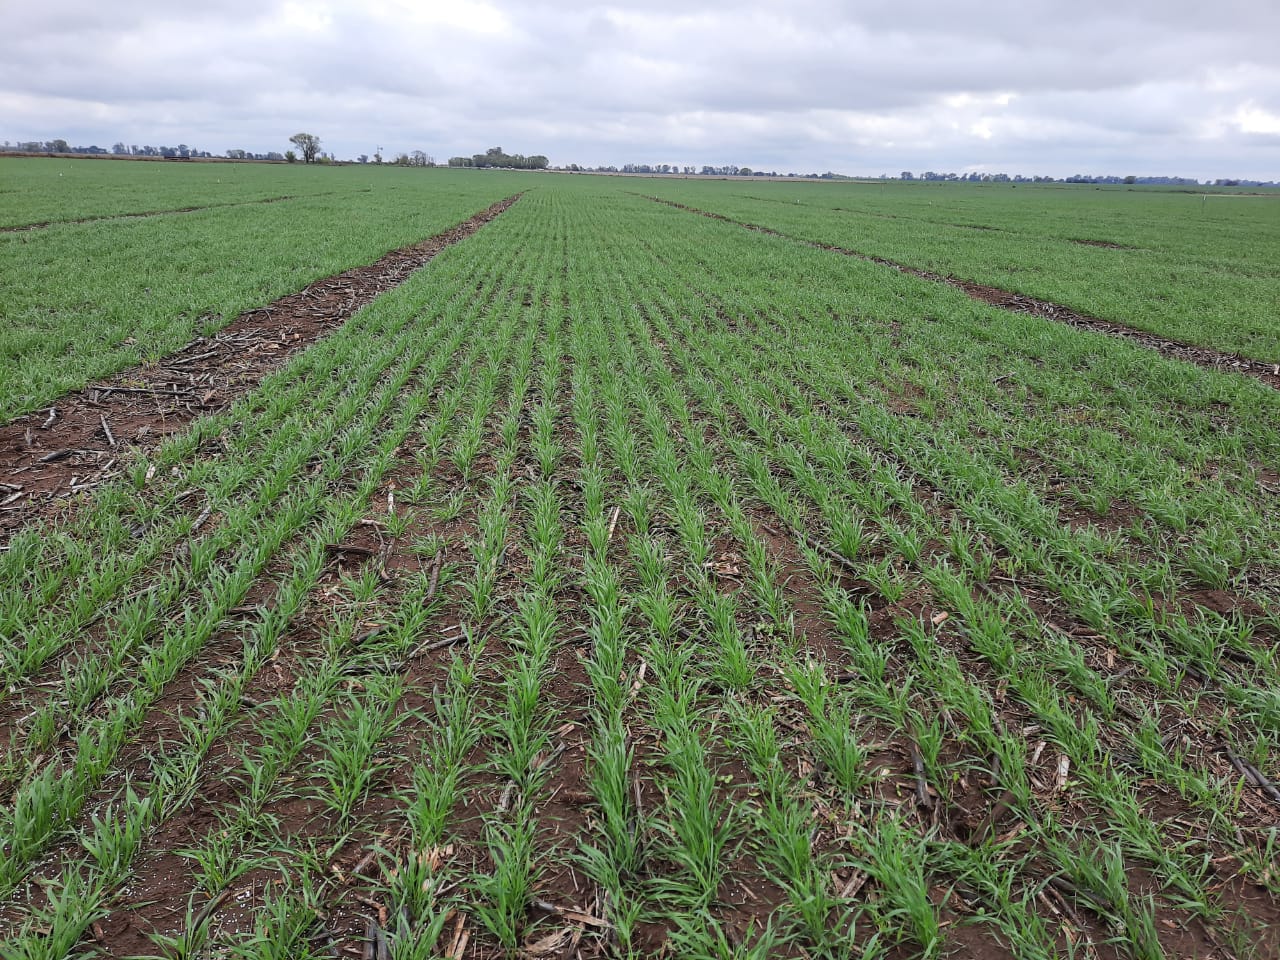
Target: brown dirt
[
  {"x": 1268, "y": 373},
  {"x": 96, "y": 430},
  {"x": 1105, "y": 244}
]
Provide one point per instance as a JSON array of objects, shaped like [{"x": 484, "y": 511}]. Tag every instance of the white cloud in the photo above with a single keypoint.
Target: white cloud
[{"x": 1251, "y": 118}]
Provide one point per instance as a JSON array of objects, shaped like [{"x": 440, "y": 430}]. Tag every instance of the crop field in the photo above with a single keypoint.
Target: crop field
[
  {"x": 466, "y": 564},
  {"x": 1198, "y": 268},
  {"x": 146, "y": 273}
]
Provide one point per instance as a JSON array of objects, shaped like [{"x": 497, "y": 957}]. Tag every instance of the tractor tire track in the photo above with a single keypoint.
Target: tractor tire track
[
  {"x": 84, "y": 438},
  {"x": 144, "y": 214},
  {"x": 1206, "y": 357}
]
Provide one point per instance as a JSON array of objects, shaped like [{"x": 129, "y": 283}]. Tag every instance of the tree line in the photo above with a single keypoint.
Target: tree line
[
  {"x": 309, "y": 152},
  {"x": 496, "y": 157},
  {"x": 975, "y": 177},
  {"x": 119, "y": 149},
  {"x": 1077, "y": 178}
]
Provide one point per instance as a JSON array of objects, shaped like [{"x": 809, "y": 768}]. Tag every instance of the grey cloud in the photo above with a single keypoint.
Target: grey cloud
[{"x": 1032, "y": 86}]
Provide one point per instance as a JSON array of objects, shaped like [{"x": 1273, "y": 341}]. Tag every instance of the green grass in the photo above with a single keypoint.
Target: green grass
[{"x": 44, "y": 191}]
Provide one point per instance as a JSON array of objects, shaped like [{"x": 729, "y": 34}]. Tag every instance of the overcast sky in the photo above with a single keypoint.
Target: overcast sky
[{"x": 878, "y": 86}]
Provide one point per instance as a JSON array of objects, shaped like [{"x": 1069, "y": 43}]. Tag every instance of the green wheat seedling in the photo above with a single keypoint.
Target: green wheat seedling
[
  {"x": 177, "y": 644},
  {"x": 897, "y": 857},
  {"x": 505, "y": 893},
  {"x": 348, "y": 767},
  {"x": 698, "y": 836},
  {"x": 831, "y": 721},
  {"x": 288, "y": 920},
  {"x": 53, "y": 931},
  {"x": 1008, "y": 900},
  {"x": 668, "y": 446},
  {"x": 1065, "y": 731},
  {"x": 259, "y": 776},
  {"x": 703, "y": 937}
]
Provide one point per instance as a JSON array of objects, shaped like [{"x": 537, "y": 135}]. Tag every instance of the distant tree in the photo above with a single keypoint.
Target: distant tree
[
  {"x": 497, "y": 157},
  {"x": 290, "y": 156},
  {"x": 308, "y": 145},
  {"x": 363, "y": 158},
  {"x": 907, "y": 175}
]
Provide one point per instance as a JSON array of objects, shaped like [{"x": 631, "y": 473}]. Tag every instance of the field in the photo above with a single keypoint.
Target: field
[
  {"x": 481, "y": 564},
  {"x": 1199, "y": 268}
]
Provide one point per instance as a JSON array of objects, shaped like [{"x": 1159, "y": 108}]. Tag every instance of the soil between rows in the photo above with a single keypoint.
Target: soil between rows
[{"x": 84, "y": 438}]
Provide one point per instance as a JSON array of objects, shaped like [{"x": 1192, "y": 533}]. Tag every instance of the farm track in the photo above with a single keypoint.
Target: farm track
[
  {"x": 88, "y": 437},
  {"x": 1210, "y": 359},
  {"x": 143, "y": 214}
]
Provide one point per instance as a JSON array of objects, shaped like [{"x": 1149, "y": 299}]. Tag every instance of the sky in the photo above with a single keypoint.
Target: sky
[{"x": 861, "y": 88}]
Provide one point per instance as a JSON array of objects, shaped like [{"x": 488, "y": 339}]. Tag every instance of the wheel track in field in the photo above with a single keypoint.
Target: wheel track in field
[
  {"x": 1206, "y": 357},
  {"x": 87, "y": 435},
  {"x": 126, "y": 917},
  {"x": 144, "y": 214}
]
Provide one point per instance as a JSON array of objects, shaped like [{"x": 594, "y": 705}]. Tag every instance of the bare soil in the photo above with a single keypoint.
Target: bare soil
[{"x": 1104, "y": 244}]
